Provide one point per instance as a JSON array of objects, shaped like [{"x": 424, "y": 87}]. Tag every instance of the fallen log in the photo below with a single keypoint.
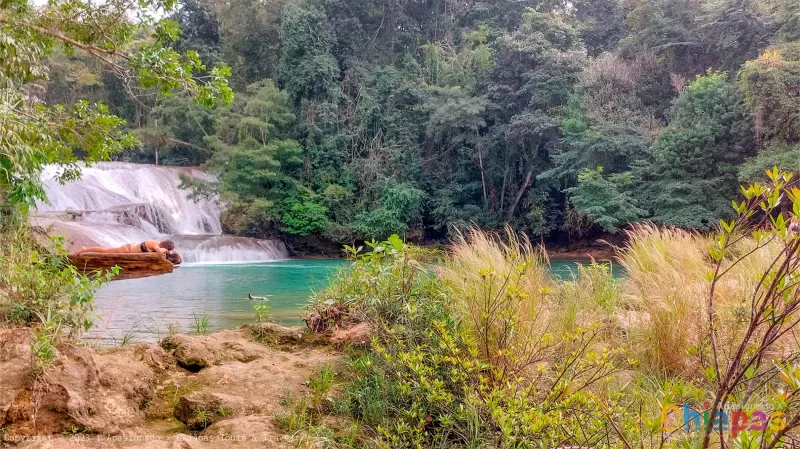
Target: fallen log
[{"x": 132, "y": 265}]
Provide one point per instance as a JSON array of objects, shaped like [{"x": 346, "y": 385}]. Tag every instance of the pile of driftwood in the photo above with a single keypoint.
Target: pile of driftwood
[
  {"x": 327, "y": 317},
  {"x": 341, "y": 325}
]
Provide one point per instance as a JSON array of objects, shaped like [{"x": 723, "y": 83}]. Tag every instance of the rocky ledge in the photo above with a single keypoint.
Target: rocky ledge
[
  {"x": 133, "y": 265},
  {"x": 186, "y": 391}
]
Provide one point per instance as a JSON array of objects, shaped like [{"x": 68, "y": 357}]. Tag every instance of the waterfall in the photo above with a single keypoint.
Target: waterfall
[{"x": 115, "y": 203}]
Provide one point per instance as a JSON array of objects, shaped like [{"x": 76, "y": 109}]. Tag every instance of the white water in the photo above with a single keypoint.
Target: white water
[{"x": 115, "y": 203}]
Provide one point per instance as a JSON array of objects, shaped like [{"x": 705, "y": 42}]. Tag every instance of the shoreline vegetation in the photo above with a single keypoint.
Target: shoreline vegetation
[
  {"x": 580, "y": 252},
  {"x": 476, "y": 346}
]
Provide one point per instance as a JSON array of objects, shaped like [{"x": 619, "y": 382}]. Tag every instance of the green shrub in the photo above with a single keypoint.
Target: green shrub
[
  {"x": 40, "y": 289},
  {"x": 459, "y": 357},
  {"x": 36, "y": 283},
  {"x": 261, "y": 312},
  {"x": 399, "y": 205},
  {"x": 43, "y": 345},
  {"x": 321, "y": 384},
  {"x": 303, "y": 217},
  {"x": 201, "y": 322}
]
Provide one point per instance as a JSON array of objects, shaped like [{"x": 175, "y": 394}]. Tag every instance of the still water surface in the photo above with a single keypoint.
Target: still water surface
[{"x": 145, "y": 309}]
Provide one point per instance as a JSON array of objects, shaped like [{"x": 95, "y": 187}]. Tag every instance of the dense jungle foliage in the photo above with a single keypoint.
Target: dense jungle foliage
[{"x": 359, "y": 119}]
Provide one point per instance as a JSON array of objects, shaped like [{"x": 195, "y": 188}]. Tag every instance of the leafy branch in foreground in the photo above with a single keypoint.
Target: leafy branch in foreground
[
  {"x": 127, "y": 40},
  {"x": 38, "y": 286},
  {"x": 763, "y": 356}
]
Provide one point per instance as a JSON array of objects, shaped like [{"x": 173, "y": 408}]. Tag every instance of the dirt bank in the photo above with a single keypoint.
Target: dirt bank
[
  {"x": 598, "y": 253},
  {"x": 219, "y": 390}
]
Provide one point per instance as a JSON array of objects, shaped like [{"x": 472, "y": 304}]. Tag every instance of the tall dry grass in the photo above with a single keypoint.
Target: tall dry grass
[
  {"x": 590, "y": 296},
  {"x": 666, "y": 285},
  {"x": 666, "y": 290},
  {"x": 517, "y": 311},
  {"x": 500, "y": 285},
  {"x": 477, "y": 257}
]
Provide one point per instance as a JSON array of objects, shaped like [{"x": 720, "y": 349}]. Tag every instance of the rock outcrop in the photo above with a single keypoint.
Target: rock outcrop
[
  {"x": 277, "y": 335},
  {"x": 201, "y": 409},
  {"x": 191, "y": 354},
  {"x": 140, "y": 390},
  {"x": 75, "y": 395},
  {"x": 132, "y": 265}
]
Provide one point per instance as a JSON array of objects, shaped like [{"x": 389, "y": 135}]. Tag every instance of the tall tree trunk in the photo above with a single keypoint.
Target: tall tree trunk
[
  {"x": 520, "y": 192},
  {"x": 138, "y": 111},
  {"x": 503, "y": 190},
  {"x": 483, "y": 177},
  {"x": 158, "y": 140}
]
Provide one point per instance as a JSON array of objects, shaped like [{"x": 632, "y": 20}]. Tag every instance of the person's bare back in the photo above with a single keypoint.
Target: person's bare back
[{"x": 148, "y": 246}]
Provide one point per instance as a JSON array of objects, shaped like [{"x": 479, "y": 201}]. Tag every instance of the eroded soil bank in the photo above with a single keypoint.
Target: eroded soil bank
[{"x": 218, "y": 390}]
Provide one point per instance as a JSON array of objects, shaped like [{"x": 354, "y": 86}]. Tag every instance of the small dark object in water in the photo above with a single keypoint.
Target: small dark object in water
[{"x": 258, "y": 298}]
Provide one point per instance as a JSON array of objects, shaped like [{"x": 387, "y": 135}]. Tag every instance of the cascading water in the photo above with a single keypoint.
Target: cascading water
[{"x": 115, "y": 203}]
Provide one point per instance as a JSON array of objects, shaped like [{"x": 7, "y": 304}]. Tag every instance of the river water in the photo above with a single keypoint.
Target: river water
[{"x": 147, "y": 309}]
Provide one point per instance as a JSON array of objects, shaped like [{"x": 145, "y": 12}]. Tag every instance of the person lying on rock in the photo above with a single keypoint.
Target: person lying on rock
[
  {"x": 148, "y": 246},
  {"x": 166, "y": 247}
]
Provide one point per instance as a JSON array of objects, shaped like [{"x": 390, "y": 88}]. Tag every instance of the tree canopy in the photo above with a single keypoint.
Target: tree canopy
[{"x": 359, "y": 119}]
